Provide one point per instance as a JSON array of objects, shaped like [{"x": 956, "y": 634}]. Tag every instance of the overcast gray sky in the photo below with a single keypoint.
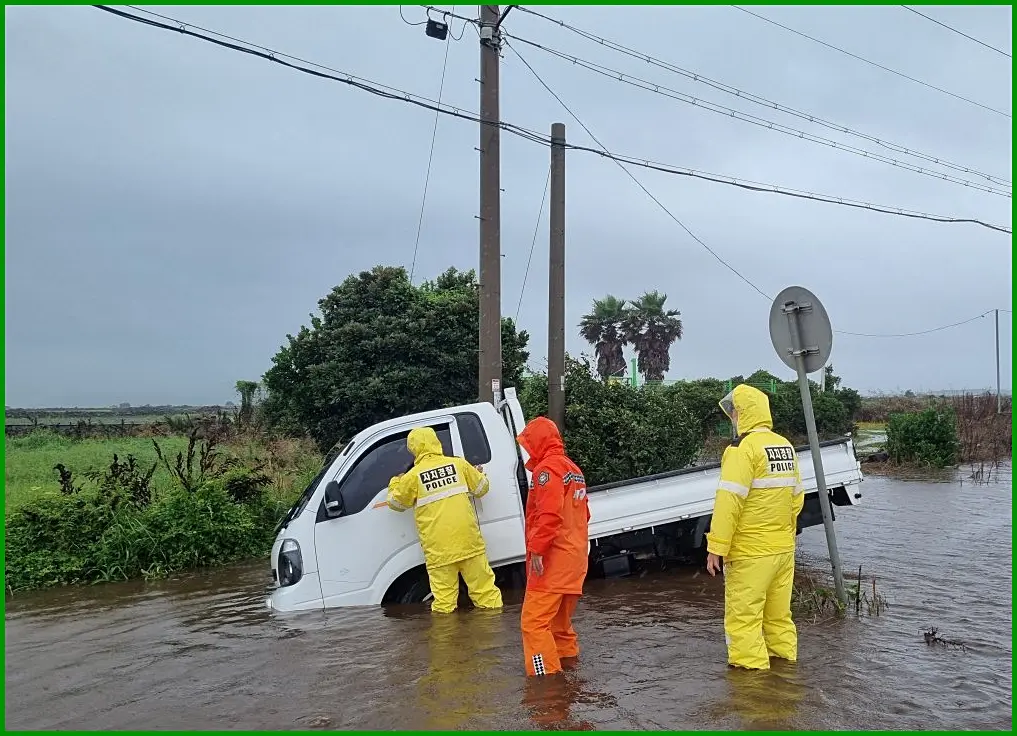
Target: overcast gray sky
[{"x": 174, "y": 208}]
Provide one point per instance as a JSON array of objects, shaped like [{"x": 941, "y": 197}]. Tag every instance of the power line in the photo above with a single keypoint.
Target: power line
[
  {"x": 421, "y": 23},
  {"x": 632, "y": 176},
  {"x": 393, "y": 93},
  {"x": 430, "y": 155},
  {"x": 722, "y": 261},
  {"x": 375, "y": 88},
  {"x": 873, "y": 63},
  {"x": 643, "y": 84},
  {"x": 921, "y": 332},
  {"x": 961, "y": 33},
  {"x": 762, "y": 101},
  {"x": 533, "y": 243},
  {"x": 517, "y": 130},
  {"x": 784, "y": 191}
]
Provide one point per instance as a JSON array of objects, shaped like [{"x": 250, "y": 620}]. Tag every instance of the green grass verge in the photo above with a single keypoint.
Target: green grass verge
[{"x": 29, "y": 461}]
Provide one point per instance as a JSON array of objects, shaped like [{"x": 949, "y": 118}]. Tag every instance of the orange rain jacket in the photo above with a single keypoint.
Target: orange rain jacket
[{"x": 557, "y": 512}]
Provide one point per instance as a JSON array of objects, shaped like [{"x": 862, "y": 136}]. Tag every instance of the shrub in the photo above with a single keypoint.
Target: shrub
[
  {"x": 927, "y": 438},
  {"x": 117, "y": 527},
  {"x": 614, "y": 431}
]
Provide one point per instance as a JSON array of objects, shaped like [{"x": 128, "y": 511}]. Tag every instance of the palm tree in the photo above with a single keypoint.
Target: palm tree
[
  {"x": 604, "y": 328},
  {"x": 652, "y": 330}
]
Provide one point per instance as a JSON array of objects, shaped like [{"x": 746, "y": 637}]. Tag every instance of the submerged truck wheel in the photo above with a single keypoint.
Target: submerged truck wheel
[{"x": 410, "y": 587}]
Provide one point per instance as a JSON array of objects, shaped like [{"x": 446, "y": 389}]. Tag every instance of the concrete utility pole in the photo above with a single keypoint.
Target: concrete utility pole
[
  {"x": 999, "y": 396},
  {"x": 556, "y": 283},
  {"x": 490, "y": 210}
]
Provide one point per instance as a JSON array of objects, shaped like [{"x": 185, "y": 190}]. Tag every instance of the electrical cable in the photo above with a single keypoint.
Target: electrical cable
[
  {"x": 784, "y": 191},
  {"x": 754, "y": 120},
  {"x": 921, "y": 332},
  {"x": 430, "y": 155},
  {"x": 421, "y": 23},
  {"x": 393, "y": 93},
  {"x": 633, "y": 177},
  {"x": 961, "y": 33},
  {"x": 533, "y": 243},
  {"x": 762, "y": 101},
  {"x": 517, "y": 130},
  {"x": 873, "y": 63},
  {"x": 731, "y": 268}
]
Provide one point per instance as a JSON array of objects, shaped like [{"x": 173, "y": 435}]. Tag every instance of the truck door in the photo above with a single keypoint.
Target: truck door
[
  {"x": 500, "y": 511},
  {"x": 351, "y": 549}
]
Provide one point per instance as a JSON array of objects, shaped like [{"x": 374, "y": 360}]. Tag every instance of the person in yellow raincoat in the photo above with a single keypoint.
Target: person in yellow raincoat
[
  {"x": 438, "y": 489},
  {"x": 752, "y": 534}
]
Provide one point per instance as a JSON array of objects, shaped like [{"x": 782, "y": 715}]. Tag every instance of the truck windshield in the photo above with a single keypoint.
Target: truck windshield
[{"x": 305, "y": 496}]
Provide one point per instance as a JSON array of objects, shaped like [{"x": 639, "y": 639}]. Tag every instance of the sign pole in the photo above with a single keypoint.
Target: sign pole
[
  {"x": 799, "y": 351},
  {"x": 802, "y": 335}
]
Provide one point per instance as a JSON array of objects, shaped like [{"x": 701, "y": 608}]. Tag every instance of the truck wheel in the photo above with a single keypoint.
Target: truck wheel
[{"x": 415, "y": 591}]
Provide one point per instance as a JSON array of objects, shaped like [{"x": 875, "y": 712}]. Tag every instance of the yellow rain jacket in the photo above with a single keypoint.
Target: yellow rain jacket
[
  {"x": 760, "y": 493},
  {"x": 438, "y": 489}
]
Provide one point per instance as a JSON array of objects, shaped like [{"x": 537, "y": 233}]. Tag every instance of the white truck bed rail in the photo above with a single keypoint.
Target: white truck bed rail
[{"x": 665, "y": 498}]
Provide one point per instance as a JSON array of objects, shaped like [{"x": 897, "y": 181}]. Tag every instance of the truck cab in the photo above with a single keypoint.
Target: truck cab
[{"x": 340, "y": 545}]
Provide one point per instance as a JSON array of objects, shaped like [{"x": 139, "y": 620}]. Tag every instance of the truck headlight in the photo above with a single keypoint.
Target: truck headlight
[{"x": 291, "y": 563}]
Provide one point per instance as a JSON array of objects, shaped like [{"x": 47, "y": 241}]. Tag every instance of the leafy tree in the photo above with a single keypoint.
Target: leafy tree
[
  {"x": 382, "y": 348},
  {"x": 604, "y": 329},
  {"x": 652, "y": 330},
  {"x": 247, "y": 390}
]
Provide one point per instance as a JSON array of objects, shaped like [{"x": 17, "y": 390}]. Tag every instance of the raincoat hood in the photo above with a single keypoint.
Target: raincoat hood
[
  {"x": 752, "y": 406},
  {"x": 541, "y": 439},
  {"x": 423, "y": 441}
]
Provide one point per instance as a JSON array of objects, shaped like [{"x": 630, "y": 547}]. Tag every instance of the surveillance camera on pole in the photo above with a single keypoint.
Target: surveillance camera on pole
[{"x": 801, "y": 334}]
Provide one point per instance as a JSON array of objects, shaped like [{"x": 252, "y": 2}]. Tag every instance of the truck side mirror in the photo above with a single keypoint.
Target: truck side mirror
[{"x": 334, "y": 505}]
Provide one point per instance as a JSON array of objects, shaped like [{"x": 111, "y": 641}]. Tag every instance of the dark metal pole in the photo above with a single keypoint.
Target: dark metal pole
[
  {"x": 999, "y": 396},
  {"x": 556, "y": 283},
  {"x": 791, "y": 309},
  {"x": 489, "y": 375}
]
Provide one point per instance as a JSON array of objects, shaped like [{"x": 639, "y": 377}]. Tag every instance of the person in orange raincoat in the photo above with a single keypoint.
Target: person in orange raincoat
[{"x": 557, "y": 548}]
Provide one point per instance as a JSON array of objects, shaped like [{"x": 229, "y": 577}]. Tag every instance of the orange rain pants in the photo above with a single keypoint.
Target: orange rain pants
[{"x": 548, "y": 636}]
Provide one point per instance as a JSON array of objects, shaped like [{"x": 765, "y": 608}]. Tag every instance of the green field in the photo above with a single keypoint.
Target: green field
[
  {"x": 48, "y": 419},
  {"x": 30, "y": 460}
]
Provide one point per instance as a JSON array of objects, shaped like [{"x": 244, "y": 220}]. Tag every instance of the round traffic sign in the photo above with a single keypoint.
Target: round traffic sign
[{"x": 793, "y": 306}]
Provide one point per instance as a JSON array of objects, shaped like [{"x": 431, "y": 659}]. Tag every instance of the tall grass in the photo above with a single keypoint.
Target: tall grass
[
  {"x": 91, "y": 510},
  {"x": 30, "y": 461}
]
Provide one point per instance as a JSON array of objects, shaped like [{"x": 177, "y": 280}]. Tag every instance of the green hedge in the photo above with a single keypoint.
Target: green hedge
[
  {"x": 927, "y": 438},
  {"x": 615, "y": 431}
]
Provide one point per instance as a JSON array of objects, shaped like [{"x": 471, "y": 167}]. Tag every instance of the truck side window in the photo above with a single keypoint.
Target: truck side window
[
  {"x": 476, "y": 449},
  {"x": 386, "y": 458}
]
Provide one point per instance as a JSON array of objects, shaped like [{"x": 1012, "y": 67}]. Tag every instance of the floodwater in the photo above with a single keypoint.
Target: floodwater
[{"x": 203, "y": 651}]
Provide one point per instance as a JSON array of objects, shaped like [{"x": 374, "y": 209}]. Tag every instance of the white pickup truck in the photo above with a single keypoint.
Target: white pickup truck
[{"x": 340, "y": 545}]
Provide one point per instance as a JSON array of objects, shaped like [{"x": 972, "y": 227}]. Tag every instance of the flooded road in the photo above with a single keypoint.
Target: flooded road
[{"x": 203, "y": 652}]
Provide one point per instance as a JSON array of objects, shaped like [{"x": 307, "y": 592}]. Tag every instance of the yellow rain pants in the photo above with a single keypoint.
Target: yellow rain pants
[
  {"x": 479, "y": 579},
  {"x": 757, "y": 610}
]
